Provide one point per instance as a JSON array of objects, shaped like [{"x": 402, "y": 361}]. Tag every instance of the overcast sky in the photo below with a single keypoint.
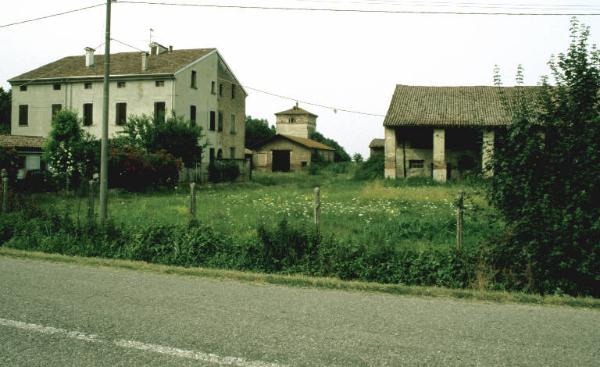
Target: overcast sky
[{"x": 346, "y": 60}]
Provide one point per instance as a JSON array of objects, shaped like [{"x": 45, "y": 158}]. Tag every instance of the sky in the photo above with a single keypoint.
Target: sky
[{"x": 344, "y": 60}]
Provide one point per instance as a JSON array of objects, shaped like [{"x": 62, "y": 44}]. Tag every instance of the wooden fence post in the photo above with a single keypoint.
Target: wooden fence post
[
  {"x": 460, "y": 206},
  {"x": 91, "y": 194},
  {"x": 317, "y": 207},
  {"x": 193, "y": 200},
  {"x": 4, "y": 191}
]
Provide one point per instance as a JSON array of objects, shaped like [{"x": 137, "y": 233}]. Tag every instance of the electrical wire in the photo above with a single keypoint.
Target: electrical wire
[
  {"x": 353, "y": 10},
  {"x": 51, "y": 15}
]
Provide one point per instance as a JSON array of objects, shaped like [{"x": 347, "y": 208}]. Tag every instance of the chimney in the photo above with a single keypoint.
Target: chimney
[
  {"x": 170, "y": 49},
  {"x": 145, "y": 61},
  {"x": 89, "y": 57},
  {"x": 153, "y": 48}
]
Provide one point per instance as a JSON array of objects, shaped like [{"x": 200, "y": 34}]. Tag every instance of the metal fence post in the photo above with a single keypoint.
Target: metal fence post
[
  {"x": 317, "y": 209},
  {"x": 4, "y": 191},
  {"x": 193, "y": 200}
]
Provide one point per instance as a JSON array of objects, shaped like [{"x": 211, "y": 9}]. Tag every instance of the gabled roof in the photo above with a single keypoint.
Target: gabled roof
[
  {"x": 124, "y": 63},
  {"x": 308, "y": 143},
  {"x": 449, "y": 106},
  {"x": 21, "y": 141},
  {"x": 377, "y": 143},
  {"x": 296, "y": 111}
]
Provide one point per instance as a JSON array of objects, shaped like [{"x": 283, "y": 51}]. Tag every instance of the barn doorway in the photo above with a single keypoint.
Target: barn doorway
[{"x": 281, "y": 161}]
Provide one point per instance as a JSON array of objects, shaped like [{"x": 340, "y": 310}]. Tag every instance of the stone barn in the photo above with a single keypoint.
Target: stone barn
[
  {"x": 376, "y": 146},
  {"x": 442, "y": 132},
  {"x": 291, "y": 149}
]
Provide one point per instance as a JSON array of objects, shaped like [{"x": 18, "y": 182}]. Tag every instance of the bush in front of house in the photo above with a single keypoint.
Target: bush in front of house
[
  {"x": 223, "y": 171},
  {"x": 133, "y": 169},
  {"x": 9, "y": 160}
]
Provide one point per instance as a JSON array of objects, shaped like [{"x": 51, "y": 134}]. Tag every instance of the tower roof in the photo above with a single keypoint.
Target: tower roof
[{"x": 296, "y": 111}]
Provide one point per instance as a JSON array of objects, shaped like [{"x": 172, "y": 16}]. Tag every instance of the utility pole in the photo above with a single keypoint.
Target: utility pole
[{"x": 104, "y": 147}]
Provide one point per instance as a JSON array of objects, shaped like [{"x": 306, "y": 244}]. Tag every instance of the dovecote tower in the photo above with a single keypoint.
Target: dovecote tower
[{"x": 296, "y": 122}]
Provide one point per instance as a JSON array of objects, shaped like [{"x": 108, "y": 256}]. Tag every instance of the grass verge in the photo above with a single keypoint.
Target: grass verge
[{"x": 312, "y": 282}]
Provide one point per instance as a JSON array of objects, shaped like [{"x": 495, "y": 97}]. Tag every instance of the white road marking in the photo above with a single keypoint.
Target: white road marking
[{"x": 132, "y": 344}]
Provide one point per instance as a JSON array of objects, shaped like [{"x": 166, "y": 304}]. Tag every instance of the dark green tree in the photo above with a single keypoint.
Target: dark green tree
[
  {"x": 5, "y": 108},
  {"x": 546, "y": 179},
  {"x": 340, "y": 154},
  {"x": 257, "y": 130},
  {"x": 173, "y": 135}
]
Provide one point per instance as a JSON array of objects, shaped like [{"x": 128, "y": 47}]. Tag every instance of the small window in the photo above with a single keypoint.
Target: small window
[
  {"x": 159, "y": 111},
  {"x": 415, "y": 163},
  {"x": 56, "y": 109},
  {"x": 23, "y": 88},
  {"x": 193, "y": 115},
  {"x": 232, "y": 122},
  {"x": 159, "y": 83},
  {"x": 87, "y": 85},
  {"x": 212, "y": 87},
  {"x": 120, "y": 84},
  {"x": 211, "y": 156},
  {"x": 232, "y": 152},
  {"x": 221, "y": 90},
  {"x": 304, "y": 163},
  {"x": 193, "y": 81},
  {"x": 291, "y": 120},
  {"x": 220, "y": 126},
  {"x": 121, "y": 117},
  {"x": 23, "y": 115},
  {"x": 56, "y": 86},
  {"x": 232, "y": 91},
  {"x": 211, "y": 127},
  {"x": 88, "y": 114}
]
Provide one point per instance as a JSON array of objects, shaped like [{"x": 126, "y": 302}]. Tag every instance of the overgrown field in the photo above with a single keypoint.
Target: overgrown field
[{"x": 416, "y": 214}]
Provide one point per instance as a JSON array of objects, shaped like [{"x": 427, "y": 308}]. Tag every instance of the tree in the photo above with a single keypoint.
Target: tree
[
  {"x": 173, "y": 135},
  {"x": 546, "y": 179},
  {"x": 257, "y": 130},
  {"x": 5, "y": 111},
  {"x": 339, "y": 155},
  {"x": 357, "y": 158}
]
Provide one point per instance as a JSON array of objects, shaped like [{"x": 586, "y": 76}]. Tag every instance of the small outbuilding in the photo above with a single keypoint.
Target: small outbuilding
[
  {"x": 284, "y": 153},
  {"x": 29, "y": 150},
  {"x": 377, "y": 146}
]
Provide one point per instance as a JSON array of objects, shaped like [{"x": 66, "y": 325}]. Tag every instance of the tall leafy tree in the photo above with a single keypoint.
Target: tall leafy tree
[
  {"x": 340, "y": 154},
  {"x": 257, "y": 130},
  {"x": 5, "y": 110},
  {"x": 547, "y": 177}
]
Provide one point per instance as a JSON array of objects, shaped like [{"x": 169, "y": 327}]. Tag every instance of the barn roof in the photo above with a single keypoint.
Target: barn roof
[
  {"x": 21, "y": 141},
  {"x": 124, "y": 63},
  {"x": 450, "y": 106},
  {"x": 308, "y": 143}
]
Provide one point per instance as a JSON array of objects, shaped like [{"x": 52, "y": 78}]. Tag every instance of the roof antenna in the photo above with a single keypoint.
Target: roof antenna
[
  {"x": 151, "y": 30},
  {"x": 296, "y": 104}
]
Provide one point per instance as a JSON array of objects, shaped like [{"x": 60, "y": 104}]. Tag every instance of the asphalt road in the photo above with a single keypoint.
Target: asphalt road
[{"x": 69, "y": 315}]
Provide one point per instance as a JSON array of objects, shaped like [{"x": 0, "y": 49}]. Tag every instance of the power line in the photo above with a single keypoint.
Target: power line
[
  {"x": 126, "y": 44},
  {"x": 353, "y": 10},
  {"x": 51, "y": 15}
]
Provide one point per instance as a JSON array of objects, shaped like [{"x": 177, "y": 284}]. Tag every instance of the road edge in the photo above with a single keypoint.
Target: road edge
[{"x": 311, "y": 282}]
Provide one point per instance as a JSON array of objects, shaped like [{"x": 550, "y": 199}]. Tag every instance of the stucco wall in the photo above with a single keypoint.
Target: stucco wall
[
  {"x": 302, "y": 125},
  {"x": 263, "y": 157}
]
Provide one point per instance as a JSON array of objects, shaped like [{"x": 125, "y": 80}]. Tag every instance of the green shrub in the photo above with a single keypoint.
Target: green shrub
[
  {"x": 223, "y": 171},
  {"x": 371, "y": 169},
  {"x": 132, "y": 169}
]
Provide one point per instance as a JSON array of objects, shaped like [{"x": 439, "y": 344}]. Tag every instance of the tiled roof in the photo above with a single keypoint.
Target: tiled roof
[
  {"x": 309, "y": 143},
  {"x": 449, "y": 106},
  {"x": 377, "y": 143},
  {"x": 125, "y": 63},
  {"x": 21, "y": 141},
  {"x": 296, "y": 111}
]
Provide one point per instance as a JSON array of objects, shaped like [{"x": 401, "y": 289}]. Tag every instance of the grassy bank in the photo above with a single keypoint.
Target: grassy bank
[{"x": 313, "y": 282}]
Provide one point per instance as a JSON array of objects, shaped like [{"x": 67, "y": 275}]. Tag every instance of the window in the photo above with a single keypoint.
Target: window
[
  {"x": 232, "y": 153},
  {"x": 212, "y": 87},
  {"x": 193, "y": 115},
  {"x": 120, "y": 84},
  {"x": 232, "y": 91},
  {"x": 56, "y": 109},
  {"x": 88, "y": 114},
  {"x": 220, "y": 125},
  {"x": 23, "y": 88},
  {"x": 232, "y": 122},
  {"x": 159, "y": 83},
  {"x": 415, "y": 163},
  {"x": 87, "y": 85},
  {"x": 121, "y": 113},
  {"x": 211, "y": 127},
  {"x": 56, "y": 86},
  {"x": 304, "y": 163},
  {"x": 212, "y": 155},
  {"x": 23, "y": 115},
  {"x": 221, "y": 90},
  {"x": 159, "y": 111},
  {"x": 193, "y": 81},
  {"x": 291, "y": 120},
  {"x": 220, "y": 154}
]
